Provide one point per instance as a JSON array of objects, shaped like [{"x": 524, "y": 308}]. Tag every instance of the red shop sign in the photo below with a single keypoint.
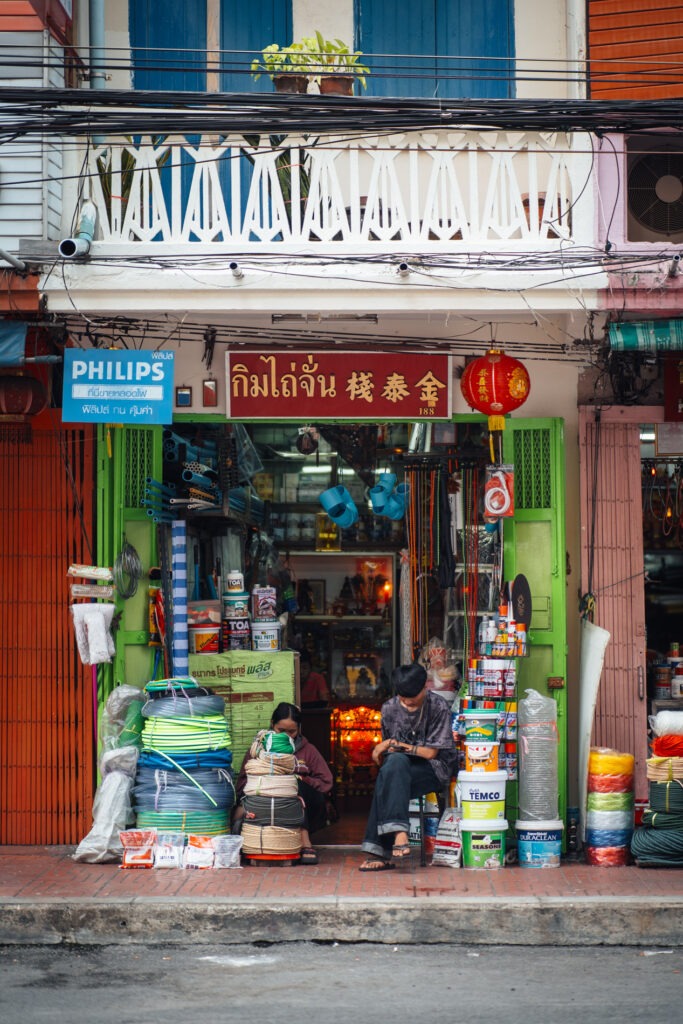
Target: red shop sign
[{"x": 353, "y": 386}]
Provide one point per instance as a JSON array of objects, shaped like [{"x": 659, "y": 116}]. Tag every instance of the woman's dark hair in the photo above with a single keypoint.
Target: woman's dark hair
[{"x": 285, "y": 710}]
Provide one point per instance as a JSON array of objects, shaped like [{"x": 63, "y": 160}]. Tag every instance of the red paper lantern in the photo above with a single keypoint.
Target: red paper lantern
[
  {"x": 495, "y": 384},
  {"x": 21, "y": 395}
]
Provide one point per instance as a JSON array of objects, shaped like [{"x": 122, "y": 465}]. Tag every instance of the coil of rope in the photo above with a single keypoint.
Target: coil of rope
[
  {"x": 609, "y": 821},
  {"x": 286, "y": 812},
  {"x": 653, "y": 846},
  {"x": 282, "y": 764},
  {"x": 610, "y": 802},
  {"x": 610, "y": 783},
  {"x": 270, "y": 839},
  {"x": 607, "y": 856},
  {"x": 127, "y": 571},
  {"x": 597, "y": 837},
  {"x": 664, "y": 769},
  {"x": 667, "y": 796},
  {"x": 603, "y": 761},
  {"x": 668, "y": 746},
  {"x": 271, "y": 785}
]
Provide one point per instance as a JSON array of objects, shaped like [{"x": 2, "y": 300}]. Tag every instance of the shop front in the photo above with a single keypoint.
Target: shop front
[{"x": 337, "y": 548}]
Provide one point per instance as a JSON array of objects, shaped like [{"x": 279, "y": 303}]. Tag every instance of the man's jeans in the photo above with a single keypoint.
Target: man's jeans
[{"x": 401, "y": 779}]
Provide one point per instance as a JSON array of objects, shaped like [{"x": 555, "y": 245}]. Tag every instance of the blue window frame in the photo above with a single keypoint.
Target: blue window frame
[{"x": 438, "y": 48}]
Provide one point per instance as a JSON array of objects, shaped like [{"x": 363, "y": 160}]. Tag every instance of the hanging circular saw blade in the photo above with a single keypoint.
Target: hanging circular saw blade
[{"x": 520, "y": 598}]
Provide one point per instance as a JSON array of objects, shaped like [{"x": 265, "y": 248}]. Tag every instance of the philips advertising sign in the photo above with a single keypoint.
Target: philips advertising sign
[{"x": 117, "y": 387}]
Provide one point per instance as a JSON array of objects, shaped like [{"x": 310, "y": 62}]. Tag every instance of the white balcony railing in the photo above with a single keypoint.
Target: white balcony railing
[{"x": 415, "y": 190}]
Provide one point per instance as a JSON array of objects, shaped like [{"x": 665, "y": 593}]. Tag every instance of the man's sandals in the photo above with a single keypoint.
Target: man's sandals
[{"x": 376, "y": 864}]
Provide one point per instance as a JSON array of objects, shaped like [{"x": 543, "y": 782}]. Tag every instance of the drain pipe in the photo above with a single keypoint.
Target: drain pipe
[
  {"x": 79, "y": 245},
  {"x": 98, "y": 75},
  {"x": 12, "y": 260}
]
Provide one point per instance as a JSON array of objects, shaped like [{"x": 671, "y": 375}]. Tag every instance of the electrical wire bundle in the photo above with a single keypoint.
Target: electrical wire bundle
[
  {"x": 184, "y": 780},
  {"x": 273, "y": 812},
  {"x": 660, "y": 840},
  {"x": 609, "y": 807}
]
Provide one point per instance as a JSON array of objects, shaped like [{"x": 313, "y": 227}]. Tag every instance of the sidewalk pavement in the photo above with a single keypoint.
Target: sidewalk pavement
[{"x": 48, "y": 898}]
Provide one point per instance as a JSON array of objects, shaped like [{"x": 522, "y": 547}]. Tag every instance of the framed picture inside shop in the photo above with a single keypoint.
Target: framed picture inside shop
[{"x": 311, "y": 597}]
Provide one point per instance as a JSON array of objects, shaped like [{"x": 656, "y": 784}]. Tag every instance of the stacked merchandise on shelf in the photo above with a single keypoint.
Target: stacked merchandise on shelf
[
  {"x": 660, "y": 840},
  {"x": 538, "y": 828},
  {"x": 273, "y": 811},
  {"x": 183, "y": 782},
  {"x": 609, "y": 807},
  {"x": 236, "y": 625}
]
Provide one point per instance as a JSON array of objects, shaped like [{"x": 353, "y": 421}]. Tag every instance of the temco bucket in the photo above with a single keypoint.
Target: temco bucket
[
  {"x": 481, "y": 795},
  {"x": 539, "y": 843},
  {"x": 481, "y": 726},
  {"x": 483, "y": 843},
  {"x": 481, "y": 757}
]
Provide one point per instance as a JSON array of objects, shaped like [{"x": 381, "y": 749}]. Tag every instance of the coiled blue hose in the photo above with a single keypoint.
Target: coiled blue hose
[{"x": 189, "y": 761}]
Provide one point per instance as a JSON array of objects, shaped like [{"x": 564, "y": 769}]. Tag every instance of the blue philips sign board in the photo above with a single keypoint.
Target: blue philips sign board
[{"x": 117, "y": 386}]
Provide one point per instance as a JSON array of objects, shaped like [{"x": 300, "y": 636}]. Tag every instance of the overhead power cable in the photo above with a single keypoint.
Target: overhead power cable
[{"x": 73, "y": 112}]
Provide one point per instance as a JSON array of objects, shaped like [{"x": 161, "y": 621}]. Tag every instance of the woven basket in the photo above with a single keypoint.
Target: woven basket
[
  {"x": 270, "y": 839},
  {"x": 271, "y": 785}
]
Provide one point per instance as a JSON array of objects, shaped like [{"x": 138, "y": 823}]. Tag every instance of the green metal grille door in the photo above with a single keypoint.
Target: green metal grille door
[{"x": 535, "y": 546}]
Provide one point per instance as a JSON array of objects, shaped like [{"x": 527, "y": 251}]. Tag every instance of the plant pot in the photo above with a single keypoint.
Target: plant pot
[
  {"x": 290, "y": 83},
  {"x": 336, "y": 85}
]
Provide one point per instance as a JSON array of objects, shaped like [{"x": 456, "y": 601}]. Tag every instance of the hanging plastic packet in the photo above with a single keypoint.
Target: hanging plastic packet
[{"x": 448, "y": 842}]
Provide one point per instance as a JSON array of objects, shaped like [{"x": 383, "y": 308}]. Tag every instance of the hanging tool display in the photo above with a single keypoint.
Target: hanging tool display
[
  {"x": 662, "y": 491},
  {"x": 431, "y": 562}
]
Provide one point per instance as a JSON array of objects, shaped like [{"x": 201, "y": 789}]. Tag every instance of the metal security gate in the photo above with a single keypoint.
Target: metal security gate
[
  {"x": 612, "y": 542},
  {"x": 46, "y": 695}
]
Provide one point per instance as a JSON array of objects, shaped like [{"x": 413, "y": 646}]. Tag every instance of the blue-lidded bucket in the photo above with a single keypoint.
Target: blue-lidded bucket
[{"x": 539, "y": 843}]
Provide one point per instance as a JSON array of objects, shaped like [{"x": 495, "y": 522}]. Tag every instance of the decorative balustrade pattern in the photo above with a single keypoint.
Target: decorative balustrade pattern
[{"x": 416, "y": 190}]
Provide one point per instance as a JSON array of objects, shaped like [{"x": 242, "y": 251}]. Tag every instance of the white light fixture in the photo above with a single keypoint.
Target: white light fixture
[
  {"x": 647, "y": 436},
  {"x": 323, "y": 318},
  {"x": 236, "y": 270},
  {"x": 403, "y": 270}
]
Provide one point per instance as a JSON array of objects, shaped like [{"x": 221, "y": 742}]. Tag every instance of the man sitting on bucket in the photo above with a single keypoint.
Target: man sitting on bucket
[{"x": 417, "y": 755}]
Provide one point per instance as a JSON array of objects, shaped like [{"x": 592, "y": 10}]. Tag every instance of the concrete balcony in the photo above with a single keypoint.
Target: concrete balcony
[{"x": 418, "y": 192}]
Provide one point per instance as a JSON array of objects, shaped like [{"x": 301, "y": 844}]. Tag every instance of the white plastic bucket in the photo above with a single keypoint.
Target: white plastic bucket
[
  {"x": 539, "y": 843},
  {"x": 204, "y": 639},
  {"x": 481, "y": 795},
  {"x": 265, "y": 636}
]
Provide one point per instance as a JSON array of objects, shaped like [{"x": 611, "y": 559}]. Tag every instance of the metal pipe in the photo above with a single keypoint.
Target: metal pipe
[
  {"x": 79, "y": 245},
  {"x": 98, "y": 76},
  {"x": 12, "y": 260}
]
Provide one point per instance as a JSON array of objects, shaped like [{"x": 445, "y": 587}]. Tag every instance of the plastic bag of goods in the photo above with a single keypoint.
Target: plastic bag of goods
[
  {"x": 227, "y": 851},
  {"x": 440, "y": 663},
  {"x": 537, "y": 750},
  {"x": 138, "y": 847},
  {"x": 112, "y": 812},
  {"x": 448, "y": 841},
  {"x": 169, "y": 850},
  {"x": 199, "y": 852}
]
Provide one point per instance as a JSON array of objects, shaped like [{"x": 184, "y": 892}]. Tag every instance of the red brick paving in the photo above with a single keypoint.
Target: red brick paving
[{"x": 49, "y": 872}]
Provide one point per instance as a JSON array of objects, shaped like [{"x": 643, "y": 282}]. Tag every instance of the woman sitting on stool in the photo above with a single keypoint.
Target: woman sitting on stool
[
  {"x": 314, "y": 778},
  {"x": 417, "y": 755}
]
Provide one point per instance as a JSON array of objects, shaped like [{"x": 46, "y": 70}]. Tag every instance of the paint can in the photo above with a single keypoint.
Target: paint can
[
  {"x": 234, "y": 580},
  {"x": 539, "y": 843},
  {"x": 236, "y": 635},
  {"x": 481, "y": 757},
  {"x": 265, "y": 636},
  {"x": 483, "y": 843},
  {"x": 481, "y": 726},
  {"x": 481, "y": 795},
  {"x": 204, "y": 639},
  {"x": 663, "y": 682},
  {"x": 235, "y": 604}
]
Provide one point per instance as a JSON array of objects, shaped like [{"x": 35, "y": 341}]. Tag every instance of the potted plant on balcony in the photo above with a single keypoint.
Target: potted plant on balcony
[
  {"x": 287, "y": 66},
  {"x": 337, "y": 67}
]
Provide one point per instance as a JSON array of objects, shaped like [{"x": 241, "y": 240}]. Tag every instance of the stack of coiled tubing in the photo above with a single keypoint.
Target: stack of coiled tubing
[
  {"x": 660, "y": 840},
  {"x": 609, "y": 807},
  {"x": 273, "y": 810},
  {"x": 184, "y": 775}
]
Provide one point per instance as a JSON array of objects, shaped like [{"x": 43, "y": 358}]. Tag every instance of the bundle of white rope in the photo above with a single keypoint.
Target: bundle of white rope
[
  {"x": 270, "y": 839},
  {"x": 269, "y": 766},
  {"x": 271, "y": 785},
  {"x": 664, "y": 769}
]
